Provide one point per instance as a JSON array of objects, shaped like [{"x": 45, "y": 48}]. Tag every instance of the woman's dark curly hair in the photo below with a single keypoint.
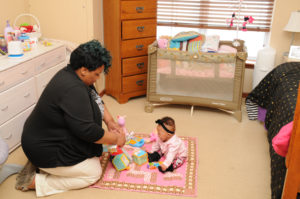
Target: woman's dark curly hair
[{"x": 90, "y": 55}]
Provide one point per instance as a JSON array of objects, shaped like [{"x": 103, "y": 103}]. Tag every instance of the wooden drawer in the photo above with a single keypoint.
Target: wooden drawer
[
  {"x": 138, "y": 9},
  {"x": 138, "y": 28},
  {"x": 133, "y": 66},
  {"x": 16, "y": 99},
  {"x": 42, "y": 79},
  {"x": 134, "y": 83},
  {"x": 51, "y": 59},
  {"x": 17, "y": 74},
  {"x": 11, "y": 130},
  {"x": 136, "y": 47}
]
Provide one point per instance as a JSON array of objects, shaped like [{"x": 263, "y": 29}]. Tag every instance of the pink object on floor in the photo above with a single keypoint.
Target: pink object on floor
[
  {"x": 281, "y": 141},
  {"x": 181, "y": 182}
]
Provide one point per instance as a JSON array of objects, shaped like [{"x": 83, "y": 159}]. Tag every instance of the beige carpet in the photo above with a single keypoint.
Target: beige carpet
[{"x": 234, "y": 161}]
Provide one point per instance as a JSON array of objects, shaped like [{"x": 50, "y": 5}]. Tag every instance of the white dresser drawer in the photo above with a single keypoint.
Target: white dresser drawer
[
  {"x": 11, "y": 130},
  {"x": 16, "y": 99},
  {"x": 43, "y": 78},
  {"x": 51, "y": 59},
  {"x": 17, "y": 74}
]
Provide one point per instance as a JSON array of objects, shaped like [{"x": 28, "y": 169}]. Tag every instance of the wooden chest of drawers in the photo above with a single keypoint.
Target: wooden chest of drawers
[
  {"x": 22, "y": 80},
  {"x": 129, "y": 27}
]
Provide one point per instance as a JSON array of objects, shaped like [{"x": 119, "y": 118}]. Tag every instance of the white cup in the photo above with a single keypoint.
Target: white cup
[{"x": 15, "y": 49}]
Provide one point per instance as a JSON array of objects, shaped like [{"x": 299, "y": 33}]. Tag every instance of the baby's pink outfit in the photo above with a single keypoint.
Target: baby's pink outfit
[{"x": 174, "y": 150}]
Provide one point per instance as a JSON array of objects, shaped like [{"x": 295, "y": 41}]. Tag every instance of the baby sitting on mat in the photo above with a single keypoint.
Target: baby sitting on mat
[{"x": 168, "y": 145}]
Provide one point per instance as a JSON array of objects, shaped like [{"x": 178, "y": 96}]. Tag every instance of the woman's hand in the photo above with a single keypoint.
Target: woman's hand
[
  {"x": 113, "y": 126},
  {"x": 121, "y": 138}
]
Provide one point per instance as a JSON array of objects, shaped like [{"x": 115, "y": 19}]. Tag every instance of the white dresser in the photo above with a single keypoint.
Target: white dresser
[{"x": 22, "y": 80}]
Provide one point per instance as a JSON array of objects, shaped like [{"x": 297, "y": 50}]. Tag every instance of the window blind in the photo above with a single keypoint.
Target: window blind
[{"x": 215, "y": 14}]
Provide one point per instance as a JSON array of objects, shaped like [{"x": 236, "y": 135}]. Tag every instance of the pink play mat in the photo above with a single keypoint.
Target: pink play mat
[{"x": 181, "y": 182}]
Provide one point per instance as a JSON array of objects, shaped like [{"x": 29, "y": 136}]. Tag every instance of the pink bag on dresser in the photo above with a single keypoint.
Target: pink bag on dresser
[{"x": 281, "y": 141}]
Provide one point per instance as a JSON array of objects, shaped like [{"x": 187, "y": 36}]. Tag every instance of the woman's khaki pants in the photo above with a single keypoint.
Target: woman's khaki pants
[{"x": 56, "y": 180}]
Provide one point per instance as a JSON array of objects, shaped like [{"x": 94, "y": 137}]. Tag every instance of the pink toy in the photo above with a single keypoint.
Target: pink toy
[
  {"x": 153, "y": 137},
  {"x": 121, "y": 122},
  {"x": 247, "y": 20},
  {"x": 163, "y": 43}
]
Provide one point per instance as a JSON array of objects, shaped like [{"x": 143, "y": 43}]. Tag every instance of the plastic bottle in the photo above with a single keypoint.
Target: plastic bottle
[
  {"x": 8, "y": 31},
  {"x": 3, "y": 45}
]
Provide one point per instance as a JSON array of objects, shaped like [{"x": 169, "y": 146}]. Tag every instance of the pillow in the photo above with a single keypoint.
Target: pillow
[
  {"x": 227, "y": 49},
  {"x": 184, "y": 36},
  {"x": 281, "y": 141},
  {"x": 195, "y": 44},
  {"x": 211, "y": 43}
]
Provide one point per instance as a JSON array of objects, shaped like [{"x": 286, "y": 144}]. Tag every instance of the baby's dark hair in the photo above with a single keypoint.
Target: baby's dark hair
[
  {"x": 90, "y": 55},
  {"x": 170, "y": 122}
]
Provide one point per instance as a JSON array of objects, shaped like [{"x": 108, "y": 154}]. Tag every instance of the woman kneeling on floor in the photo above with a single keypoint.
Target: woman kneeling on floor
[{"x": 63, "y": 136}]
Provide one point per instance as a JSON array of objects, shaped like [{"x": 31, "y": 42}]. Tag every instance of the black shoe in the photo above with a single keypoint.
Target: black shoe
[
  {"x": 153, "y": 157},
  {"x": 170, "y": 168}
]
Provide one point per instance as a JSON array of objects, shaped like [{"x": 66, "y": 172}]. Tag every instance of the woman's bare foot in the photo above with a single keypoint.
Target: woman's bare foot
[
  {"x": 26, "y": 178},
  {"x": 32, "y": 185}
]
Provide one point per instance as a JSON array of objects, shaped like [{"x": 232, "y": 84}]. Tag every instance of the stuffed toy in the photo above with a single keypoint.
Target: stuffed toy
[{"x": 163, "y": 41}]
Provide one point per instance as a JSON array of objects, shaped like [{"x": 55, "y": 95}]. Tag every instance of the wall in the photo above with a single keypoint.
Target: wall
[
  {"x": 77, "y": 21},
  {"x": 64, "y": 20},
  {"x": 99, "y": 34},
  {"x": 280, "y": 39},
  {"x": 9, "y": 10}
]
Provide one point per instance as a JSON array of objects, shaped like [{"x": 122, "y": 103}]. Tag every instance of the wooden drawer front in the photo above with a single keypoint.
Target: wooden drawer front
[
  {"x": 11, "y": 130},
  {"x": 138, "y": 9},
  {"x": 42, "y": 79},
  {"x": 138, "y": 28},
  {"x": 132, "y": 66},
  {"x": 51, "y": 59},
  {"x": 136, "y": 47},
  {"x": 17, "y": 74},
  {"x": 16, "y": 99},
  {"x": 134, "y": 83}
]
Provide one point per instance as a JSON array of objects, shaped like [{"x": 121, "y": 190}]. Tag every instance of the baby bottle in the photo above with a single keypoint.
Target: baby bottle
[{"x": 8, "y": 32}]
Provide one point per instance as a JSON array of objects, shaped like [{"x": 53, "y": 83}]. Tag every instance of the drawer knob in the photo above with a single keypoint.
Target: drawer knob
[
  {"x": 24, "y": 73},
  {"x": 139, "y": 47},
  {"x": 140, "y": 65},
  {"x": 27, "y": 95},
  {"x": 43, "y": 65},
  {"x": 140, "y": 28},
  {"x": 2, "y": 83},
  {"x": 8, "y": 136},
  {"x": 139, "y": 9},
  {"x": 4, "y": 109},
  {"x": 140, "y": 82}
]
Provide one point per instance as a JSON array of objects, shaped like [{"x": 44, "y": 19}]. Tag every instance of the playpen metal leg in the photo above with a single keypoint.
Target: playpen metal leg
[
  {"x": 238, "y": 115},
  {"x": 149, "y": 107},
  {"x": 192, "y": 110}
]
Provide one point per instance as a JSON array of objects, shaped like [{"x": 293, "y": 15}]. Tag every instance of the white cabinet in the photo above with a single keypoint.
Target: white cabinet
[{"x": 22, "y": 81}]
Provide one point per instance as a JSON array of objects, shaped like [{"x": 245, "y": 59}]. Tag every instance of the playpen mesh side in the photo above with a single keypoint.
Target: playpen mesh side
[
  {"x": 194, "y": 79},
  {"x": 208, "y": 76}
]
